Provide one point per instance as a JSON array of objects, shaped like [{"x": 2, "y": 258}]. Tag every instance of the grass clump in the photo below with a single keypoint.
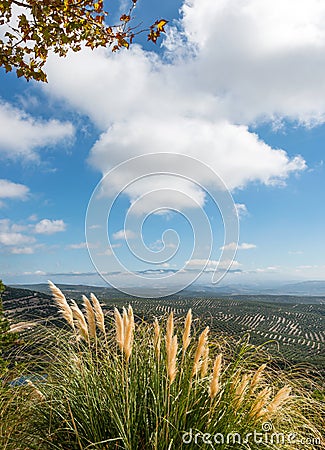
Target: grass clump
[{"x": 164, "y": 385}]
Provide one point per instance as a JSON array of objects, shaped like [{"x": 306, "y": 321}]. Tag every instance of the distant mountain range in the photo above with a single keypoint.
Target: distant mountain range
[
  {"x": 307, "y": 291},
  {"x": 303, "y": 288}
]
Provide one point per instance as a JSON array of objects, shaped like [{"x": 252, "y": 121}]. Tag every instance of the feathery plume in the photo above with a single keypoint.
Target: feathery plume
[
  {"x": 128, "y": 333},
  {"x": 170, "y": 329},
  {"x": 80, "y": 321},
  {"x": 131, "y": 315},
  {"x": 240, "y": 390},
  {"x": 157, "y": 339},
  {"x": 119, "y": 325},
  {"x": 90, "y": 316},
  {"x": 171, "y": 359},
  {"x": 205, "y": 362},
  {"x": 200, "y": 350},
  {"x": 235, "y": 380},
  {"x": 280, "y": 398},
  {"x": 187, "y": 330},
  {"x": 214, "y": 385},
  {"x": 259, "y": 403},
  {"x": 125, "y": 318},
  {"x": 257, "y": 378},
  {"x": 62, "y": 303},
  {"x": 100, "y": 321}
]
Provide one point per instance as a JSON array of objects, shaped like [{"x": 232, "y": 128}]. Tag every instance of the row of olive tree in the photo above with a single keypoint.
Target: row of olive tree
[{"x": 6, "y": 338}]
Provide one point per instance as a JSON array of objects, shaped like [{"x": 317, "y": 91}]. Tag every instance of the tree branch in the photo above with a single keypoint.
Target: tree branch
[{"x": 23, "y": 5}]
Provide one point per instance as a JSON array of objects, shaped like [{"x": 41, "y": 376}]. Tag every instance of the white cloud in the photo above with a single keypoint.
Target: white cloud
[
  {"x": 11, "y": 190},
  {"x": 82, "y": 245},
  {"x": 233, "y": 64},
  {"x": 267, "y": 269},
  {"x": 37, "y": 272},
  {"x": 21, "y": 135},
  {"x": 159, "y": 245},
  {"x": 22, "y": 250},
  {"x": 79, "y": 246},
  {"x": 10, "y": 234},
  {"x": 234, "y": 246},
  {"x": 47, "y": 226},
  {"x": 11, "y": 238},
  {"x": 264, "y": 57},
  {"x": 212, "y": 264},
  {"x": 107, "y": 252},
  {"x": 124, "y": 234},
  {"x": 241, "y": 209}
]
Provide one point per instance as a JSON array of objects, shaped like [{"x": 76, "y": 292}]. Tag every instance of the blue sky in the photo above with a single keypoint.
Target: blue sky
[{"x": 238, "y": 86}]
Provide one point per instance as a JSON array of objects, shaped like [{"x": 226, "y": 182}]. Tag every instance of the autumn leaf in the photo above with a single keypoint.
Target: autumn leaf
[
  {"x": 59, "y": 26},
  {"x": 153, "y": 36},
  {"x": 160, "y": 25},
  {"x": 125, "y": 18}
]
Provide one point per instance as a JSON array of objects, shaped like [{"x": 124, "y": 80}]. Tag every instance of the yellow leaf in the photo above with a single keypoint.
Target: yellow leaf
[
  {"x": 125, "y": 18},
  {"x": 160, "y": 24}
]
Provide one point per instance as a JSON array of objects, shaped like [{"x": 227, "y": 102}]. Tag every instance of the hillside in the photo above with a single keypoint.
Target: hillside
[{"x": 295, "y": 330}]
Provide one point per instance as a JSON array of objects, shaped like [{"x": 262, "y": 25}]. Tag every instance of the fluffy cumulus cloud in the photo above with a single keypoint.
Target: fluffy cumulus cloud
[
  {"x": 227, "y": 66},
  {"x": 235, "y": 246},
  {"x": 47, "y": 226},
  {"x": 21, "y": 135},
  {"x": 12, "y": 238},
  {"x": 212, "y": 264},
  {"x": 10, "y": 190},
  {"x": 124, "y": 234},
  {"x": 19, "y": 238}
]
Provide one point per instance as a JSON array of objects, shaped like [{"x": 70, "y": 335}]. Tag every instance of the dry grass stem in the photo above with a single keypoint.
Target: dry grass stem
[
  {"x": 157, "y": 338},
  {"x": 36, "y": 393}
]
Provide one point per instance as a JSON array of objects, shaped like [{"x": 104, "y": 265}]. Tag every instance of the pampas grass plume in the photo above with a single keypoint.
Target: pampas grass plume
[
  {"x": 80, "y": 321},
  {"x": 187, "y": 330},
  {"x": 280, "y": 398},
  {"x": 100, "y": 319},
  {"x": 90, "y": 316},
  {"x": 214, "y": 385},
  {"x": 200, "y": 350},
  {"x": 62, "y": 303},
  {"x": 128, "y": 333},
  {"x": 171, "y": 359}
]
